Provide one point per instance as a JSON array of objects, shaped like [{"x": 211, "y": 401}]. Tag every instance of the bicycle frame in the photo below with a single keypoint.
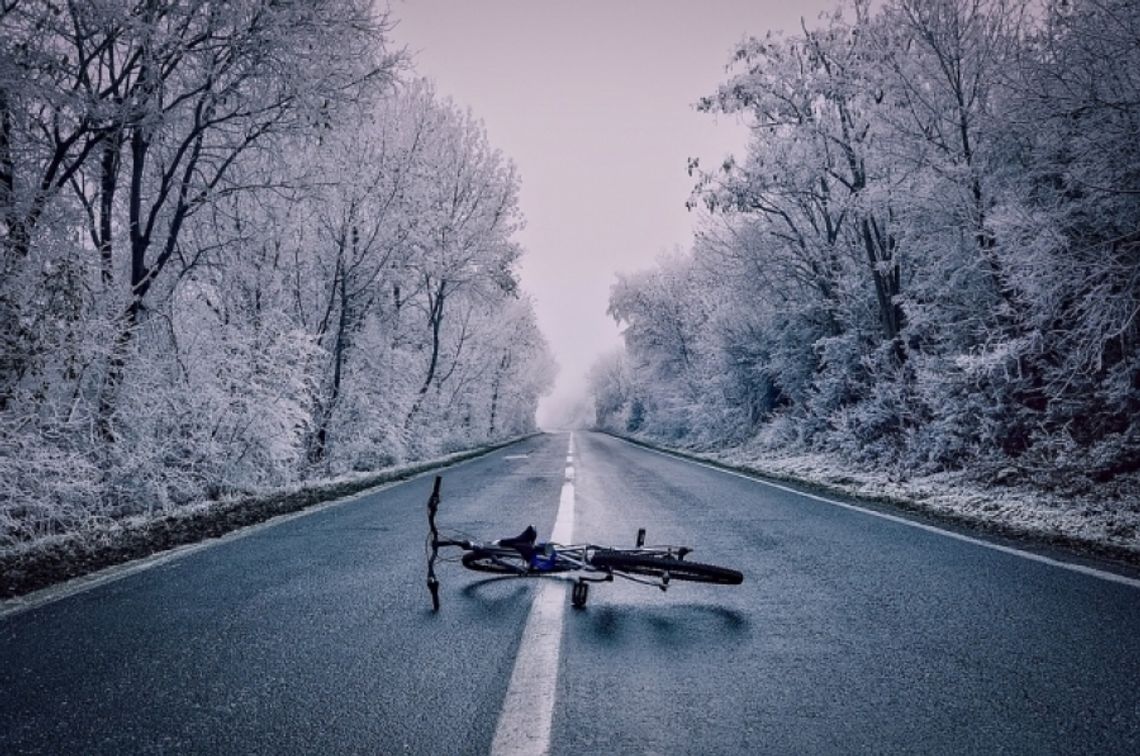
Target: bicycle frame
[{"x": 551, "y": 558}]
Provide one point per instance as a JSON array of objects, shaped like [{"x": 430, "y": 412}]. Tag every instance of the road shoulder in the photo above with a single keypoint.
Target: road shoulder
[
  {"x": 74, "y": 556},
  {"x": 975, "y": 513}
]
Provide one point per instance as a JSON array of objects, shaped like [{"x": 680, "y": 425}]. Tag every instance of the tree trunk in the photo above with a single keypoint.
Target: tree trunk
[
  {"x": 887, "y": 285},
  {"x": 108, "y": 182},
  {"x": 320, "y": 438},
  {"x": 503, "y": 365},
  {"x": 435, "y": 317},
  {"x": 9, "y": 311}
]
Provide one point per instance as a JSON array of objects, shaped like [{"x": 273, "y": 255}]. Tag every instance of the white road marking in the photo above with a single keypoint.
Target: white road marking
[
  {"x": 517, "y": 456},
  {"x": 1082, "y": 569},
  {"x": 528, "y": 709}
]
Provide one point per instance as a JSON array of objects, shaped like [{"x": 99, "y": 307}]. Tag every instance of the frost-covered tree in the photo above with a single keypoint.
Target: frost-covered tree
[
  {"x": 617, "y": 405},
  {"x": 466, "y": 253},
  {"x": 240, "y": 249},
  {"x": 1073, "y": 214},
  {"x": 927, "y": 256}
]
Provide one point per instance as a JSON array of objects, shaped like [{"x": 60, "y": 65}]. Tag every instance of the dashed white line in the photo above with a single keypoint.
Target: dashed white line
[{"x": 528, "y": 709}]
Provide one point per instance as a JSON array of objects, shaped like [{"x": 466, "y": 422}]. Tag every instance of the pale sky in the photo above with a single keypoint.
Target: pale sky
[{"x": 593, "y": 101}]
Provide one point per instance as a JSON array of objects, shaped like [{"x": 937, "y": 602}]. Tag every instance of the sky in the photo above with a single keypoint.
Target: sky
[{"x": 594, "y": 102}]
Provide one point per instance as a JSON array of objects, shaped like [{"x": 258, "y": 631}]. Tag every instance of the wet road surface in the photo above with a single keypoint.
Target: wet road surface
[{"x": 851, "y": 633}]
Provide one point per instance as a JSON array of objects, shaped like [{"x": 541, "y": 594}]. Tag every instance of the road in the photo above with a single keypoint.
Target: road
[{"x": 851, "y": 632}]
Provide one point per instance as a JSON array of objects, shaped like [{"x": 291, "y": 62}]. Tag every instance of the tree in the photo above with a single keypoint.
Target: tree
[
  {"x": 464, "y": 246},
  {"x": 927, "y": 254},
  {"x": 811, "y": 173},
  {"x": 240, "y": 251}
]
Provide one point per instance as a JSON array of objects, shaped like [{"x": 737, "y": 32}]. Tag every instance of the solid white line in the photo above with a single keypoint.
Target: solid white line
[
  {"x": 1082, "y": 569},
  {"x": 528, "y": 709}
]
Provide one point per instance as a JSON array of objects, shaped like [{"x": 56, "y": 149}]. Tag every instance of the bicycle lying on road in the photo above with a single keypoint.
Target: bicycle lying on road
[{"x": 525, "y": 556}]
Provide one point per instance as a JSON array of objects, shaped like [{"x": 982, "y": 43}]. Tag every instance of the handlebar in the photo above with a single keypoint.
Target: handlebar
[
  {"x": 434, "y": 542},
  {"x": 433, "y": 507}
]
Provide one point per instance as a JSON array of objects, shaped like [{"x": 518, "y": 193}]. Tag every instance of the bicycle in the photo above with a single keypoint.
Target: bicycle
[{"x": 524, "y": 556}]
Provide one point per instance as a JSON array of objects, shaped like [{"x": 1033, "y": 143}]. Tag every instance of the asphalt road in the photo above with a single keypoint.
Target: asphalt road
[{"x": 851, "y": 633}]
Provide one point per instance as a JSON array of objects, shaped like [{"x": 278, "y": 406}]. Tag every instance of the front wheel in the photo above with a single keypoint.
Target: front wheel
[{"x": 662, "y": 567}]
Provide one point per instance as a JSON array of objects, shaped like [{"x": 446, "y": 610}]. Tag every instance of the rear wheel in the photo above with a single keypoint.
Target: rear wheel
[
  {"x": 502, "y": 562},
  {"x": 506, "y": 562},
  {"x": 662, "y": 567}
]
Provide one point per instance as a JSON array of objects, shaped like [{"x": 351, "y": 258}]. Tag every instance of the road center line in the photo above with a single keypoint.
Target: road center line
[
  {"x": 528, "y": 709},
  {"x": 1072, "y": 567}
]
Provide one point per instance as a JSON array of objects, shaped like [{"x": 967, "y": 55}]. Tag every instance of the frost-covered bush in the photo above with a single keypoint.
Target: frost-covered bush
[{"x": 48, "y": 485}]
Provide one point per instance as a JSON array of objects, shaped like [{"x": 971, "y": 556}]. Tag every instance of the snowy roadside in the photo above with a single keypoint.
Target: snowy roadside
[
  {"x": 36, "y": 565},
  {"x": 1102, "y": 520}
]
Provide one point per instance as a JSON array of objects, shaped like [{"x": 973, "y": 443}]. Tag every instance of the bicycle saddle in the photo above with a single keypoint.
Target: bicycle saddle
[{"x": 524, "y": 541}]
